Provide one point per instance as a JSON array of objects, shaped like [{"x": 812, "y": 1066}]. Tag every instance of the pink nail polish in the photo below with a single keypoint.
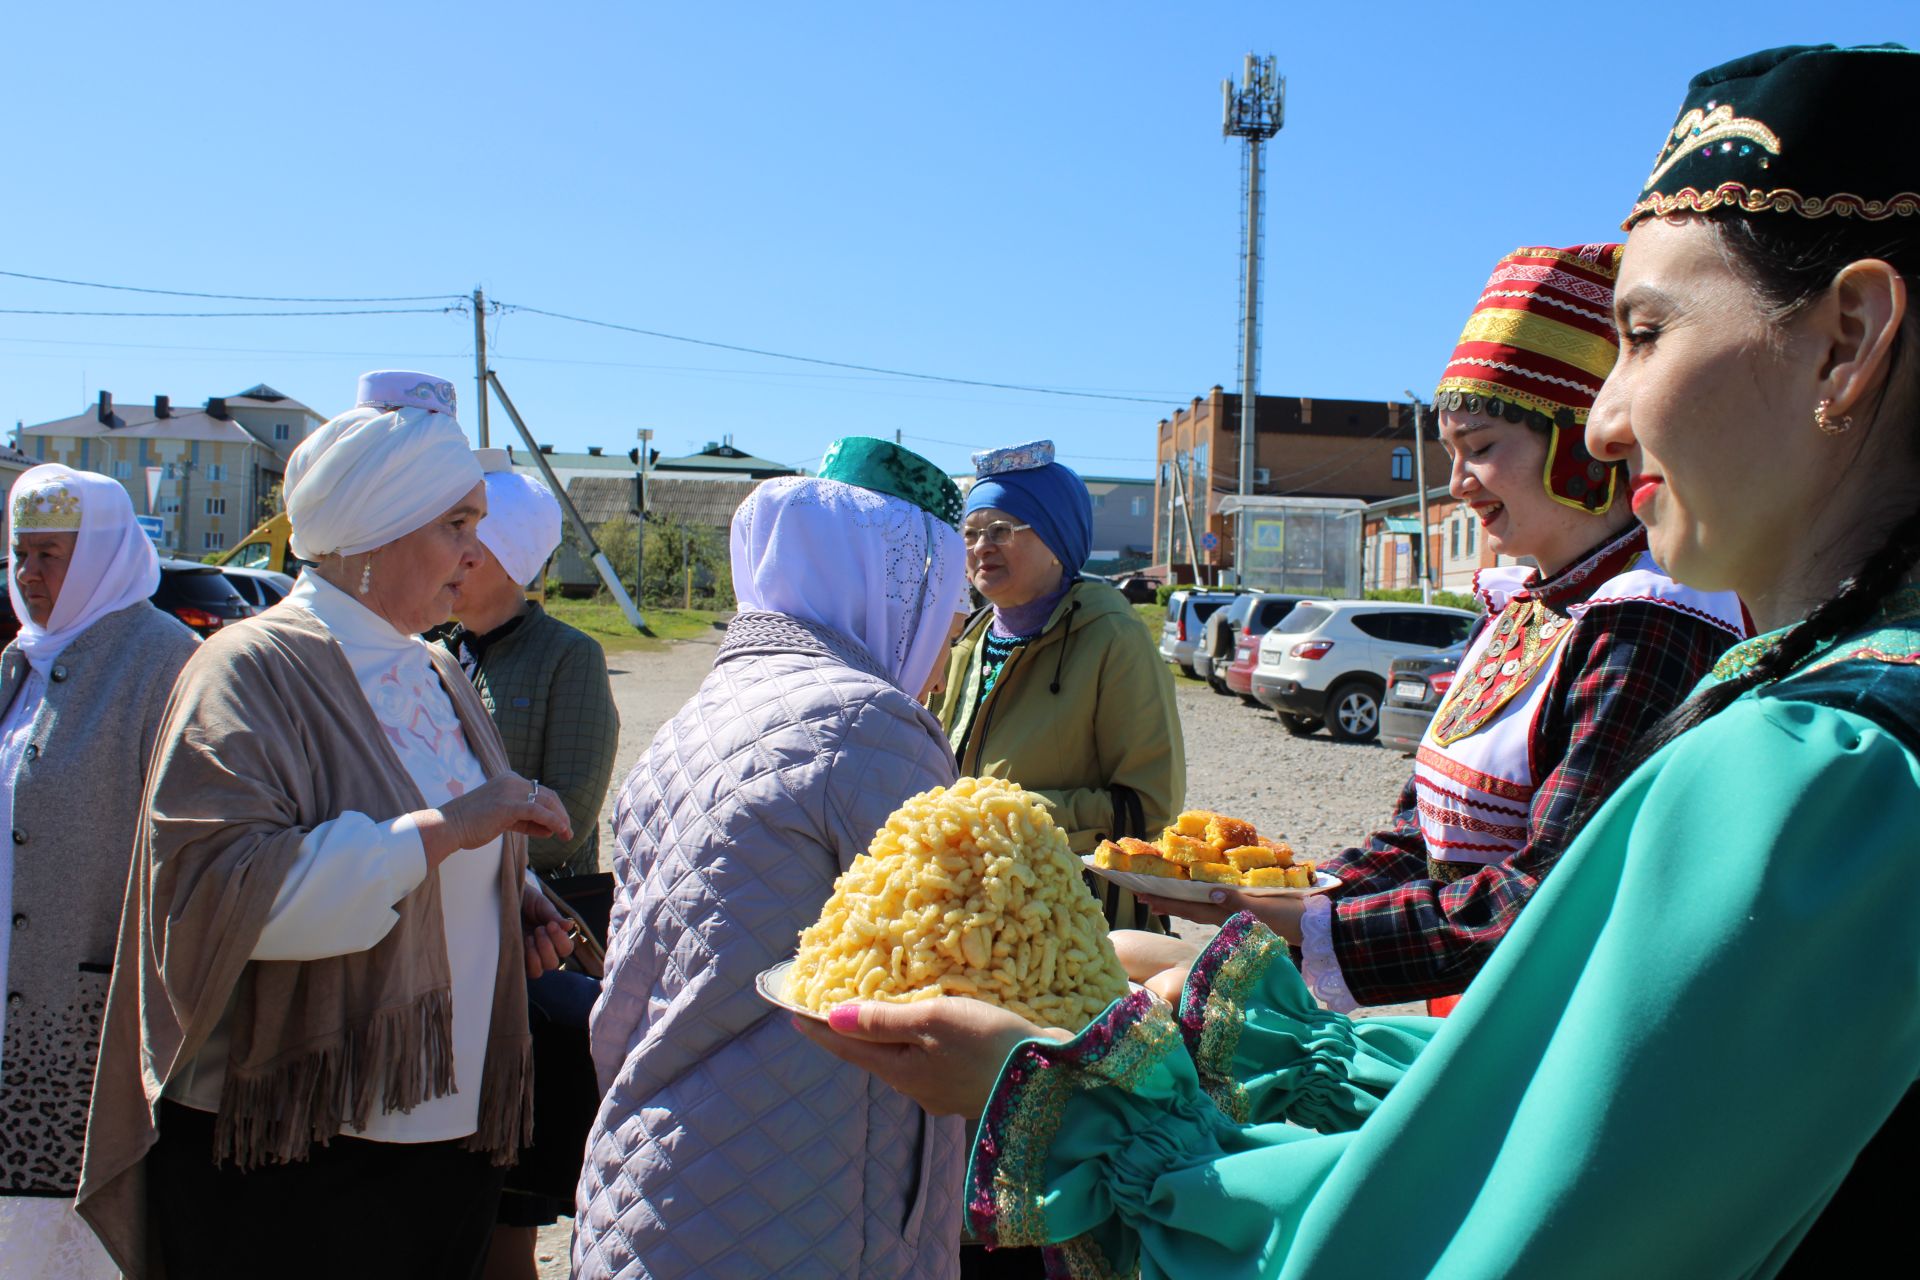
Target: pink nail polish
[{"x": 844, "y": 1017}]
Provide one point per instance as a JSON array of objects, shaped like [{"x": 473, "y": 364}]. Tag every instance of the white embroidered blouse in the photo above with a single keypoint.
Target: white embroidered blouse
[{"x": 339, "y": 896}]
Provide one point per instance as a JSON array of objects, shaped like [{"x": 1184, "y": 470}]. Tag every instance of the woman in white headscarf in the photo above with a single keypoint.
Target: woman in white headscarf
[
  {"x": 318, "y": 1040},
  {"x": 83, "y": 686},
  {"x": 726, "y": 1145}
]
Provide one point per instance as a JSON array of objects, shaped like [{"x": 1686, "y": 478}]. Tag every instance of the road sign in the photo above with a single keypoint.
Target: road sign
[
  {"x": 1211, "y": 542},
  {"x": 155, "y": 528}
]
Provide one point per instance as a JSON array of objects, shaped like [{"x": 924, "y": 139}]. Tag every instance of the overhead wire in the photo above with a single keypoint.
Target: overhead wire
[
  {"x": 221, "y": 315},
  {"x": 834, "y": 364},
  {"x": 459, "y": 303},
  {"x": 222, "y": 297}
]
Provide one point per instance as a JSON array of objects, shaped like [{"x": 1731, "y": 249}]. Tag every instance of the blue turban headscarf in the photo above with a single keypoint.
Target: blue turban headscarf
[{"x": 1054, "y": 501}]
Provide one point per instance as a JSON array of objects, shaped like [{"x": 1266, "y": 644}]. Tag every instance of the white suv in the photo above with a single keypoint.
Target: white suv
[{"x": 1326, "y": 662}]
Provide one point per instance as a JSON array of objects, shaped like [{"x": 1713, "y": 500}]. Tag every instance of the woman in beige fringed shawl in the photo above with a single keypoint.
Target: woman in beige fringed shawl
[{"x": 316, "y": 1037}]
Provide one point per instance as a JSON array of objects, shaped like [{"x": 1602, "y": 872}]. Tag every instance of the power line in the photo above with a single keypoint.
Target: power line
[
  {"x": 219, "y": 315},
  {"x": 835, "y": 364},
  {"x": 184, "y": 293},
  {"x": 959, "y": 444}
]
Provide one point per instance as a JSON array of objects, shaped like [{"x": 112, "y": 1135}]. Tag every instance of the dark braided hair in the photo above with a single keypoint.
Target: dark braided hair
[{"x": 1789, "y": 262}]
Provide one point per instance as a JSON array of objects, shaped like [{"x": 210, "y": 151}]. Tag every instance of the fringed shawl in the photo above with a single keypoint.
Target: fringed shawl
[{"x": 268, "y": 735}]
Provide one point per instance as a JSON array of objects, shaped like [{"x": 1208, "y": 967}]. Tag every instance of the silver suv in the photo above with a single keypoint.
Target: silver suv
[
  {"x": 1187, "y": 612},
  {"x": 1326, "y": 662}
]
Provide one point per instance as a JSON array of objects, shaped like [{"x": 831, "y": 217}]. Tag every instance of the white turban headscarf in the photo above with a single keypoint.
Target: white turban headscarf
[
  {"x": 377, "y": 472},
  {"x": 873, "y": 567},
  {"x": 113, "y": 565},
  {"x": 523, "y": 524}
]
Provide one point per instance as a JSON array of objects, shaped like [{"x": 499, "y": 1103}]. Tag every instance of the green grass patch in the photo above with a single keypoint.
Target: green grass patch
[{"x": 601, "y": 618}]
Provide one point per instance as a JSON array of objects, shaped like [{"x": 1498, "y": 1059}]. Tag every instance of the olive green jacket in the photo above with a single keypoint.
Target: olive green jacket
[
  {"x": 1082, "y": 708},
  {"x": 545, "y": 685}
]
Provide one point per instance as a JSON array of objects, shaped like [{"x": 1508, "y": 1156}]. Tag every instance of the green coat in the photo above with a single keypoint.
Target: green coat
[
  {"x": 1110, "y": 722},
  {"x": 1667, "y": 1069},
  {"x": 545, "y": 685}
]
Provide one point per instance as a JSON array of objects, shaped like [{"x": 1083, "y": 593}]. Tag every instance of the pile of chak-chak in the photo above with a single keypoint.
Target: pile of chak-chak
[{"x": 969, "y": 890}]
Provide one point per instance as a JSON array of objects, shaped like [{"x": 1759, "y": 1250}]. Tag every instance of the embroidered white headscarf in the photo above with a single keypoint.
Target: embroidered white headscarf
[
  {"x": 523, "y": 524},
  {"x": 380, "y": 470},
  {"x": 113, "y": 565},
  {"x": 873, "y": 567}
]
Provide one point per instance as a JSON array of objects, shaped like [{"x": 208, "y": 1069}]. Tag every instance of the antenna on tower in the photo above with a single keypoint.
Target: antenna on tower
[{"x": 1255, "y": 109}]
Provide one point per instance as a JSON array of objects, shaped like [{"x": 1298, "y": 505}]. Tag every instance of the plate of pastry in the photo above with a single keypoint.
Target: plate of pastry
[{"x": 1203, "y": 850}]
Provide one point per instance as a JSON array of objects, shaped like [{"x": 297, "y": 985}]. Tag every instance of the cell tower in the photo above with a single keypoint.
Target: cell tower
[{"x": 1255, "y": 109}]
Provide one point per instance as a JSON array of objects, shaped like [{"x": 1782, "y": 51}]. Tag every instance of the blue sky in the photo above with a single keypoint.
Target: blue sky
[{"x": 1035, "y": 194}]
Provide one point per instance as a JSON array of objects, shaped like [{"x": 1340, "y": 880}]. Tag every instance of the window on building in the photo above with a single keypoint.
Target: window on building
[
  {"x": 216, "y": 471},
  {"x": 216, "y": 506},
  {"x": 169, "y": 506},
  {"x": 282, "y": 431},
  {"x": 1138, "y": 507},
  {"x": 1454, "y": 538},
  {"x": 123, "y": 471},
  {"x": 1403, "y": 463},
  {"x": 1473, "y": 527},
  {"x": 213, "y": 540},
  {"x": 1099, "y": 500}
]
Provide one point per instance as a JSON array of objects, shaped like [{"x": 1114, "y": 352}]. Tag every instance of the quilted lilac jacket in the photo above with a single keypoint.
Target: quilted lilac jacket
[{"x": 727, "y": 1144}]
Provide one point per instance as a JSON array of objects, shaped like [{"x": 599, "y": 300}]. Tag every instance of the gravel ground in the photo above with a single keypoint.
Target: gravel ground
[{"x": 1319, "y": 794}]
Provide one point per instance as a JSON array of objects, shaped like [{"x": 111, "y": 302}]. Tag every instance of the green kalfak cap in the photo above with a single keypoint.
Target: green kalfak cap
[
  {"x": 1811, "y": 130},
  {"x": 884, "y": 467}
]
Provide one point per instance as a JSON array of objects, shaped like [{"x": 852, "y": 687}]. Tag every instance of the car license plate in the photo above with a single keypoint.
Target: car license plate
[{"x": 1411, "y": 690}]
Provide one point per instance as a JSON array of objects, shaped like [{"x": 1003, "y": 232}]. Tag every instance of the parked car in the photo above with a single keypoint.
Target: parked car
[
  {"x": 1187, "y": 612},
  {"x": 200, "y": 596},
  {"x": 1266, "y": 614},
  {"x": 197, "y": 594},
  {"x": 1326, "y": 661},
  {"x": 1416, "y": 684},
  {"x": 1215, "y": 649},
  {"x": 261, "y": 588},
  {"x": 1138, "y": 588}
]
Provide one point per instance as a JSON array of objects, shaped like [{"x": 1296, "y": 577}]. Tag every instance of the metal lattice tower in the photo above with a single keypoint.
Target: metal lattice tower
[{"x": 1254, "y": 111}]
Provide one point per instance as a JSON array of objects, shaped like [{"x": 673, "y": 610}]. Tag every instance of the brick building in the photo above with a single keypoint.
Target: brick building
[{"x": 1303, "y": 447}]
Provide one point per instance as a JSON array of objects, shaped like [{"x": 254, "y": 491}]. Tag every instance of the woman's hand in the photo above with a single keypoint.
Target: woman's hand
[
  {"x": 1144, "y": 955},
  {"x": 507, "y": 802},
  {"x": 1282, "y": 915},
  {"x": 944, "y": 1053},
  {"x": 548, "y": 941}
]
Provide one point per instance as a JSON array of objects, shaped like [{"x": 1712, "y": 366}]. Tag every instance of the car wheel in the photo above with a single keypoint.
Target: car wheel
[
  {"x": 1253, "y": 702},
  {"x": 1220, "y": 686},
  {"x": 1189, "y": 672},
  {"x": 1299, "y": 726},
  {"x": 1353, "y": 711}
]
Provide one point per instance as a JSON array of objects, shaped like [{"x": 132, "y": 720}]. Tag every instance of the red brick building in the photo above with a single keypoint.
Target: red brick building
[{"x": 1303, "y": 447}]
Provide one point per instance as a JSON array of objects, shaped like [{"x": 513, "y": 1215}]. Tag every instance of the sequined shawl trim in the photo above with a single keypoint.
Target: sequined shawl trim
[
  {"x": 1006, "y": 1181},
  {"x": 1213, "y": 1006}
]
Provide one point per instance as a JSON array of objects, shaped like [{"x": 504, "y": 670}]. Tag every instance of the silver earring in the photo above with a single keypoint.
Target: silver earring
[
  {"x": 1827, "y": 425},
  {"x": 366, "y": 577}
]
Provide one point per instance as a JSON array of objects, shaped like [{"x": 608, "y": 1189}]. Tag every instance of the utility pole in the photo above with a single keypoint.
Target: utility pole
[
  {"x": 595, "y": 555},
  {"x": 640, "y": 534},
  {"x": 1254, "y": 110},
  {"x": 480, "y": 357},
  {"x": 1420, "y": 479}
]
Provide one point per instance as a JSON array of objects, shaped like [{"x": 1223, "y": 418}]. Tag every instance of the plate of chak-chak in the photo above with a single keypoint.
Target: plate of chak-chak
[{"x": 1203, "y": 851}]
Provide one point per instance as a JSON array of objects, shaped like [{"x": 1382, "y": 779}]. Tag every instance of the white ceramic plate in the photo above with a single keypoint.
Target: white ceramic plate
[
  {"x": 1197, "y": 890},
  {"x": 772, "y": 986}
]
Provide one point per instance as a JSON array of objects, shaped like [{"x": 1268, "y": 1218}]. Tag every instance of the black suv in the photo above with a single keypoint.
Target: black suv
[{"x": 197, "y": 594}]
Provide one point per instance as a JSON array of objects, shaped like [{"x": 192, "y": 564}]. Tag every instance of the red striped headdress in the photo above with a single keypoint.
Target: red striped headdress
[{"x": 1539, "y": 344}]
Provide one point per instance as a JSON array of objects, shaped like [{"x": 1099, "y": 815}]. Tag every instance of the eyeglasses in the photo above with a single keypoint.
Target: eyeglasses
[{"x": 999, "y": 533}]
